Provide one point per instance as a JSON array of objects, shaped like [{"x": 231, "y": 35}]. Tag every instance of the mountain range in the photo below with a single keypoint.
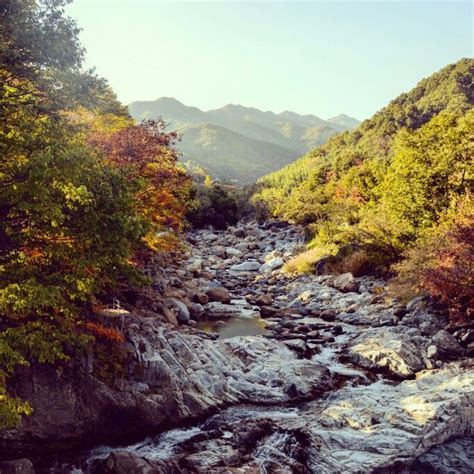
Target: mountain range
[{"x": 240, "y": 144}]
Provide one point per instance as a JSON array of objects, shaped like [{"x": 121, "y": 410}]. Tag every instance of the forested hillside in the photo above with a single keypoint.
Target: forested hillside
[
  {"x": 85, "y": 194},
  {"x": 240, "y": 144},
  {"x": 401, "y": 179}
]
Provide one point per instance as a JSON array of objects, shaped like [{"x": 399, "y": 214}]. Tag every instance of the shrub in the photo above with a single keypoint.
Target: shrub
[
  {"x": 442, "y": 265},
  {"x": 305, "y": 262},
  {"x": 359, "y": 263}
]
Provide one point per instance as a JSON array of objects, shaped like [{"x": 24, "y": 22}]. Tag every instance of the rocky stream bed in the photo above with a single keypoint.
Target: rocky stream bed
[{"x": 250, "y": 370}]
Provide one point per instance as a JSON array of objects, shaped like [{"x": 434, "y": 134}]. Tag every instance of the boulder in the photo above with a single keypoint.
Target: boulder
[
  {"x": 268, "y": 311},
  {"x": 126, "y": 462},
  {"x": 196, "y": 310},
  {"x": 295, "y": 344},
  {"x": 183, "y": 315},
  {"x": 218, "y": 251},
  {"x": 271, "y": 265},
  {"x": 400, "y": 353},
  {"x": 345, "y": 283},
  {"x": 219, "y": 294},
  {"x": 233, "y": 252},
  {"x": 201, "y": 298},
  {"x": 249, "y": 266},
  {"x": 328, "y": 315},
  {"x": 447, "y": 345},
  {"x": 264, "y": 300}
]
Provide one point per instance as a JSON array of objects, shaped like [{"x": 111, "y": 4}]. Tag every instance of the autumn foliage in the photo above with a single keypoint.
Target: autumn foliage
[
  {"x": 451, "y": 275},
  {"x": 147, "y": 156},
  {"x": 84, "y": 192},
  {"x": 104, "y": 333},
  {"x": 442, "y": 265}
]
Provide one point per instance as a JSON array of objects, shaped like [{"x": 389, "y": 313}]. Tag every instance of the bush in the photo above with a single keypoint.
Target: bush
[
  {"x": 359, "y": 263},
  {"x": 442, "y": 265},
  {"x": 305, "y": 262}
]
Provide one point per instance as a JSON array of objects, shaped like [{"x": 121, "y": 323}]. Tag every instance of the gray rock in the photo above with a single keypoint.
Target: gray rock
[
  {"x": 197, "y": 310},
  {"x": 447, "y": 345},
  {"x": 345, "y": 283},
  {"x": 232, "y": 252},
  {"x": 388, "y": 349},
  {"x": 456, "y": 456},
  {"x": 183, "y": 316},
  {"x": 271, "y": 265},
  {"x": 245, "y": 267},
  {"x": 296, "y": 344},
  {"x": 126, "y": 462},
  {"x": 206, "y": 460}
]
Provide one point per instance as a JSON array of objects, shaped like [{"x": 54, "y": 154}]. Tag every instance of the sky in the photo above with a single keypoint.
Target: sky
[{"x": 322, "y": 58}]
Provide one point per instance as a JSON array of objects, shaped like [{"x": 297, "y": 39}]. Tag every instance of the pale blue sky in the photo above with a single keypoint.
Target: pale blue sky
[{"x": 314, "y": 57}]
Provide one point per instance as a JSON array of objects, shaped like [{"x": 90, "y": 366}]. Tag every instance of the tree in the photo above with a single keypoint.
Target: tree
[
  {"x": 81, "y": 191},
  {"x": 146, "y": 154}
]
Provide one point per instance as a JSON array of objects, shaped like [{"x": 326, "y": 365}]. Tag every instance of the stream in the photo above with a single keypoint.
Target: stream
[{"x": 311, "y": 373}]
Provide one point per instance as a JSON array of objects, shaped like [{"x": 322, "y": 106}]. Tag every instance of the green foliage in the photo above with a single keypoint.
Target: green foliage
[
  {"x": 393, "y": 178},
  {"x": 74, "y": 217},
  {"x": 213, "y": 205}
]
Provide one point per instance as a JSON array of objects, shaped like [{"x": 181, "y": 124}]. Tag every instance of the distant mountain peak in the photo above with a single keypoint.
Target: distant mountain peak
[
  {"x": 240, "y": 143},
  {"x": 345, "y": 121}
]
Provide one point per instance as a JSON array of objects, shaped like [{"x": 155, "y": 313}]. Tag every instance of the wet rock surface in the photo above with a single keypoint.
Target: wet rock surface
[{"x": 322, "y": 374}]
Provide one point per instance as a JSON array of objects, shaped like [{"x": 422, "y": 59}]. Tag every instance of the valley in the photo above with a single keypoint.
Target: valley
[
  {"x": 341, "y": 368},
  {"x": 240, "y": 144}
]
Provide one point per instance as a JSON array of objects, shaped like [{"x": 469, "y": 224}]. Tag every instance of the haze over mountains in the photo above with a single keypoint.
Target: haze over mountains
[{"x": 241, "y": 144}]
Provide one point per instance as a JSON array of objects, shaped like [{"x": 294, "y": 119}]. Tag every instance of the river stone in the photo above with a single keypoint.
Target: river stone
[
  {"x": 239, "y": 232},
  {"x": 271, "y": 265},
  {"x": 125, "y": 462},
  {"x": 447, "y": 344},
  {"x": 245, "y": 267},
  {"x": 219, "y": 294},
  {"x": 345, "y": 283},
  {"x": 232, "y": 252},
  {"x": 268, "y": 311},
  {"x": 264, "y": 300},
  {"x": 183, "y": 316},
  {"x": 456, "y": 456},
  {"x": 201, "y": 298},
  {"x": 296, "y": 344},
  {"x": 397, "y": 352}
]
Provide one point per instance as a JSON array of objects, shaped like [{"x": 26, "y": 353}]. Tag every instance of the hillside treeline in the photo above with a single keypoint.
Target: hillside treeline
[
  {"x": 398, "y": 189},
  {"x": 85, "y": 193}
]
